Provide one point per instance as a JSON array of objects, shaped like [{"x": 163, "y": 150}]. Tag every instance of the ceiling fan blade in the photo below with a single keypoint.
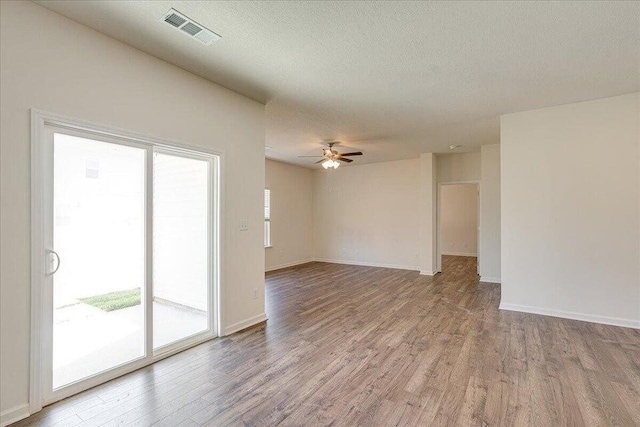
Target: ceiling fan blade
[
  {"x": 344, "y": 160},
  {"x": 301, "y": 157},
  {"x": 355, "y": 153},
  {"x": 319, "y": 161}
]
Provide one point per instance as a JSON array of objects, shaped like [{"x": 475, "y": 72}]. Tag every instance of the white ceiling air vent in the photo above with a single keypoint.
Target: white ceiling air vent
[{"x": 189, "y": 27}]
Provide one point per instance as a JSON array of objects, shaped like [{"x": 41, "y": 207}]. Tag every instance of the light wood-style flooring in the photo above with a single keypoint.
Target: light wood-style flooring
[{"x": 362, "y": 346}]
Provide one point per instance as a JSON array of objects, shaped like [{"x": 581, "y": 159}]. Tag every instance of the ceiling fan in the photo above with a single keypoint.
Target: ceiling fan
[{"x": 331, "y": 157}]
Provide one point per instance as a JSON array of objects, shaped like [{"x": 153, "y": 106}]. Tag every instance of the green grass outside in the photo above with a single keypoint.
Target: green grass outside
[{"x": 114, "y": 300}]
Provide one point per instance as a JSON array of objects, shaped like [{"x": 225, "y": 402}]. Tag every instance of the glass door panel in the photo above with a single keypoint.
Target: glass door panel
[
  {"x": 99, "y": 236},
  {"x": 181, "y": 252}
]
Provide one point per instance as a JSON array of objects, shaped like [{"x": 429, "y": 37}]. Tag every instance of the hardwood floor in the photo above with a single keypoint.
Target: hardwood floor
[{"x": 349, "y": 345}]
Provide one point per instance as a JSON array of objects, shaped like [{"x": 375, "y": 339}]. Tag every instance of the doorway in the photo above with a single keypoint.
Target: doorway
[
  {"x": 126, "y": 232},
  {"x": 459, "y": 221}
]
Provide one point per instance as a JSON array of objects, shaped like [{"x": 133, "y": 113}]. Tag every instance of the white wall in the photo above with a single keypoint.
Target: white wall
[
  {"x": 428, "y": 221},
  {"x": 570, "y": 210},
  {"x": 291, "y": 215},
  {"x": 459, "y": 219},
  {"x": 368, "y": 214},
  {"x": 349, "y": 226},
  {"x": 490, "y": 213},
  {"x": 458, "y": 167},
  {"x": 63, "y": 67}
]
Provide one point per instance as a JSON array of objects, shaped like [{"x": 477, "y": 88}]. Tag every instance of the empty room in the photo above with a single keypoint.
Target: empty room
[{"x": 319, "y": 213}]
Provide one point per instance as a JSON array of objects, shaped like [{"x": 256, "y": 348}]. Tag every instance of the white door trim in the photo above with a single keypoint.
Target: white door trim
[
  {"x": 212, "y": 266},
  {"x": 37, "y": 249},
  {"x": 40, "y": 119},
  {"x": 439, "y": 216}
]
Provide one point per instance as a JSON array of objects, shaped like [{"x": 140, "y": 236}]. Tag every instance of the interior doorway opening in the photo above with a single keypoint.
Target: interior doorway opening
[{"x": 458, "y": 221}]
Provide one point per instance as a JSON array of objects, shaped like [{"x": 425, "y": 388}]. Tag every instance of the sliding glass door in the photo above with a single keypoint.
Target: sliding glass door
[
  {"x": 99, "y": 242},
  {"x": 180, "y": 247},
  {"x": 129, "y": 256}
]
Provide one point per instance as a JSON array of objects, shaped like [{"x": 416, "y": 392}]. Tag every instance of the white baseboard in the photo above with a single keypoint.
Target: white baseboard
[
  {"x": 367, "y": 264},
  {"x": 428, "y": 273},
  {"x": 244, "y": 324},
  {"x": 490, "y": 279},
  {"x": 460, "y": 254},
  {"x": 14, "y": 414},
  {"x": 288, "y": 264},
  {"x": 615, "y": 321}
]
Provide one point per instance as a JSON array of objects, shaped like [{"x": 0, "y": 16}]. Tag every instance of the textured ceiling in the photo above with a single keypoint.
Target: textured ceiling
[{"x": 393, "y": 79}]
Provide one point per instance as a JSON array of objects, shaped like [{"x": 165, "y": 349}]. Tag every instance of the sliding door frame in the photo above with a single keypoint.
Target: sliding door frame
[
  {"x": 40, "y": 173},
  {"x": 212, "y": 250},
  {"x": 48, "y": 394}
]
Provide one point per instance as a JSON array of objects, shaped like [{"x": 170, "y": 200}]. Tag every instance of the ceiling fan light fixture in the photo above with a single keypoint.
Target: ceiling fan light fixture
[
  {"x": 331, "y": 158},
  {"x": 330, "y": 164}
]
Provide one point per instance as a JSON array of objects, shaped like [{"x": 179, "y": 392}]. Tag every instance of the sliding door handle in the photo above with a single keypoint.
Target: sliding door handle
[{"x": 50, "y": 253}]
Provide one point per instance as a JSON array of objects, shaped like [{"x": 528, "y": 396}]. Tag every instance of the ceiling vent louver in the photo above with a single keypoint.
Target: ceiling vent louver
[
  {"x": 190, "y": 27},
  {"x": 175, "y": 20}
]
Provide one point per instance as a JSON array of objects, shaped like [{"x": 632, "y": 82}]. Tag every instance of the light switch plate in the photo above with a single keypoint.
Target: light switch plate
[{"x": 244, "y": 225}]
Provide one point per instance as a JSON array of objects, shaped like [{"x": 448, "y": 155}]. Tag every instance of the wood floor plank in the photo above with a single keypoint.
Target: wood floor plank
[{"x": 350, "y": 345}]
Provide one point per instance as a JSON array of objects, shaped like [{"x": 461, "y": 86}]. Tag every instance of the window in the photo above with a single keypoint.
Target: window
[{"x": 267, "y": 218}]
